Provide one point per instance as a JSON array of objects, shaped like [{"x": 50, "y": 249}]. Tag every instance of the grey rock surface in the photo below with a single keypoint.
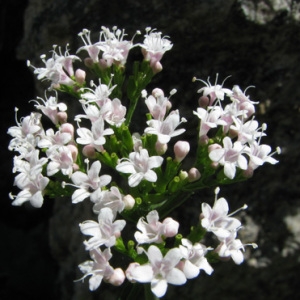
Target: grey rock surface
[{"x": 257, "y": 42}]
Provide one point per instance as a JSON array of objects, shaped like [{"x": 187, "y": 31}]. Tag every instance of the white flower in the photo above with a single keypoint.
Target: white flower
[
  {"x": 115, "y": 48},
  {"x": 157, "y": 104},
  {"x": 33, "y": 191},
  {"x": 89, "y": 182},
  {"x": 92, "y": 49},
  {"x": 61, "y": 160},
  {"x": 231, "y": 247},
  {"x": 259, "y": 154},
  {"x": 194, "y": 259},
  {"x": 217, "y": 220},
  {"x": 53, "y": 139},
  {"x": 214, "y": 91},
  {"x": 98, "y": 268},
  {"x": 154, "y": 231},
  {"x": 103, "y": 232},
  {"x": 113, "y": 112},
  {"x": 209, "y": 119},
  {"x": 166, "y": 129},
  {"x": 231, "y": 156},
  {"x": 94, "y": 137},
  {"x": 30, "y": 180},
  {"x": 246, "y": 132},
  {"x": 112, "y": 199},
  {"x": 58, "y": 69},
  {"x": 26, "y": 133},
  {"x": 51, "y": 108},
  {"x": 159, "y": 271},
  {"x": 99, "y": 95},
  {"x": 139, "y": 165},
  {"x": 242, "y": 101},
  {"x": 154, "y": 46}
]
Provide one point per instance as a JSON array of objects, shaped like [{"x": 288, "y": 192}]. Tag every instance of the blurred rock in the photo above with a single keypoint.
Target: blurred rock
[{"x": 257, "y": 43}]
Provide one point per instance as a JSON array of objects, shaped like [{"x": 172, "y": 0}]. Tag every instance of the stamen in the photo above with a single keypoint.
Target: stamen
[
  {"x": 245, "y": 206},
  {"x": 173, "y": 91}
]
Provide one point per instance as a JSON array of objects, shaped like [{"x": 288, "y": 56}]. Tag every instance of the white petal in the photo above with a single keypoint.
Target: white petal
[
  {"x": 126, "y": 167},
  {"x": 221, "y": 207},
  {"x": 89, "y": 228},
  {"x": 242, "y": 162},
  {"x": 154, "y": 255},
  {"x": 175, "y": 276},
  {"x": 237, "y": 256},
  {"x": 159, "y": 287},
  {"x": 150, "y": 176},
  {"x": 95, "y": 281},
  {"x": 217, "y": 154},
  {"x": 142, "y": 273},
  {"x": 155, "y": 161},
  {"x": 37, "y": 199},
  {"x": 79, "y": 195},
  {"x": 190, "y": 270},
  {"x": 206, "y": 210},
  {"x": 229, "y": 170},
  {"x": 135, "y": 179}
]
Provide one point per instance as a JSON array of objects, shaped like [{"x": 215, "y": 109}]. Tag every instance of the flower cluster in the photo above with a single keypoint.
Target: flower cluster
[{"x": 135, "y": 178}]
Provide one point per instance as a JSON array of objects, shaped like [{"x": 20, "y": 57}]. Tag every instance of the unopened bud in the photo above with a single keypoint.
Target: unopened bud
[
  {"x": 62, "y": 117},
  {"x": 68, "y": 128},
  {"x": 181, "y": 149},
  {"x": 80, "y": 76},
  {"x": 117, "y": 278},
  {"x": 203, "y": 101},
  {"x": 89, "y": 151},
  {"x": 157, "y": 67},
  {"x": 170, "y": 227},
  {"x": 193, "y": 174},
  {"x": 129, "y": 202},
  {"x": 88, "y": 62},
  {"x": 183, "y": 175}
]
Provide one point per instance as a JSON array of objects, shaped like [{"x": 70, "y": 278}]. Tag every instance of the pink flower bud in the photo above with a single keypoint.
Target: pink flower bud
[
  {"x": 129, "y": 202},
  {"x": 88, "y": 62},
  {"x": 62, "y": 117},
  {"x": 68, "y": 128},
  {"x": 89, "y": 151},
  {"x": 80, "y": 76},
  {"x": 193, "y": 174},
  {"x": 203, "y": 140},
  {"x": 170, "y": 227},
  {"x": 203, "y": 101},
  {"x": 157, "y": 67},
  {"x": 117, "y": 278},
  {"x": 181, "y": 149},
  {"x": 248, "y": 173}
]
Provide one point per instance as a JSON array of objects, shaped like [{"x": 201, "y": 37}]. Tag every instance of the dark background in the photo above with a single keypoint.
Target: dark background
[{"x": 256, "y": 42}]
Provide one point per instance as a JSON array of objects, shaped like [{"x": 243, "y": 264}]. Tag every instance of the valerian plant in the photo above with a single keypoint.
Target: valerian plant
[{"x": 134, "y": 177}]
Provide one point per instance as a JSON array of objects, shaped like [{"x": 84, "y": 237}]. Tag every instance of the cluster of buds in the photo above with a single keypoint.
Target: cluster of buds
[{"x": 135, "y": 177}]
